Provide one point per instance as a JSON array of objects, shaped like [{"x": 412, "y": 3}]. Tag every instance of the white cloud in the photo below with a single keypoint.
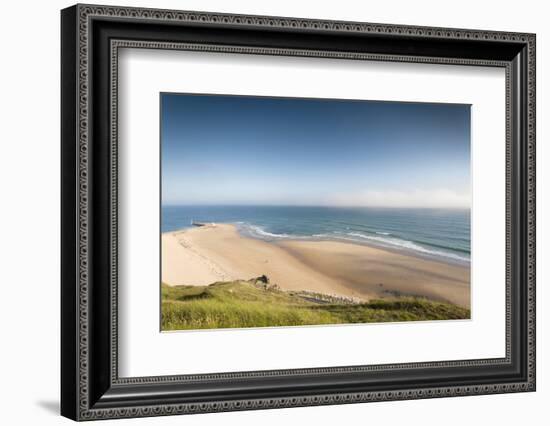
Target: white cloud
[{"x": 438, "y": 198}]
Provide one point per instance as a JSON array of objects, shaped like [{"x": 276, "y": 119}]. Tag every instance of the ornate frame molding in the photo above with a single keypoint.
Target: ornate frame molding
[{"x": 82, "y": 16}]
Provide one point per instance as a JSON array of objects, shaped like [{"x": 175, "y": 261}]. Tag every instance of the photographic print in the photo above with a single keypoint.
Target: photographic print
[{"x": 298, "y": 212}]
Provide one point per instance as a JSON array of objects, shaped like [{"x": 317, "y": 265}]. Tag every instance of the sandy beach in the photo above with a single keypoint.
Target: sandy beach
[{"x": 212, "y": 253}]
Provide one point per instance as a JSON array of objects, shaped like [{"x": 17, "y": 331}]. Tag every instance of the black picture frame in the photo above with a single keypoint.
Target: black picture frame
[{"x": 90, "y": 38}]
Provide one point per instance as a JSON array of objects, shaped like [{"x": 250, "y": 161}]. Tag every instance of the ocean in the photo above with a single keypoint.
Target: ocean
[{"x": 442, "y": 234}]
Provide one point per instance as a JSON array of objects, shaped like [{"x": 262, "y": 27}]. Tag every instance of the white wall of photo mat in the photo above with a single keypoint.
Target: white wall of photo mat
[
  {"x": 29, "y": 229},
  {"x": 141, "y": 344}
]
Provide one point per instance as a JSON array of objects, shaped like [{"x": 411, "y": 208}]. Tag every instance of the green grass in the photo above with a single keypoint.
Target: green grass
[{"x": 255, "y": 303}]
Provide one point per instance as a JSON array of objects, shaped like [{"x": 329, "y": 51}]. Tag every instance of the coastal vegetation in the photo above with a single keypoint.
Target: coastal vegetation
[{"x": 258, "y": 303}]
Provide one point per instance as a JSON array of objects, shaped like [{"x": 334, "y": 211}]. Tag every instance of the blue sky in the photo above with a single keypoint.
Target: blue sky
[{"x": 291, "y": 151}]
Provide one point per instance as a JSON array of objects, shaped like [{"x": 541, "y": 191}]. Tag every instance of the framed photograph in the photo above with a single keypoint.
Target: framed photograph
[{"x": 263, "y": 212}]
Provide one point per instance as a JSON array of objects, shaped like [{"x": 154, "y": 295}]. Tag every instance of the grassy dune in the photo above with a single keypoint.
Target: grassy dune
[{"x": 256, "y": 303}]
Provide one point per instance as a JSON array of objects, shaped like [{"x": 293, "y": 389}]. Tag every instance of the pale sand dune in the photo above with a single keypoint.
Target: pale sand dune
[
  {"x": 181, "y": 264},
  {"x": 208, "y": 254}
]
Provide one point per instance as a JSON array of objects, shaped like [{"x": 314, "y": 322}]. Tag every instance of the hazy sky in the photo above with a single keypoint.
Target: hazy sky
[{"x": 252, "y": 150}]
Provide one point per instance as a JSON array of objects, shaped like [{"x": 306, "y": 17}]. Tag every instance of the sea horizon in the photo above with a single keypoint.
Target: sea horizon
[{"x": 436, "y": 233}]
